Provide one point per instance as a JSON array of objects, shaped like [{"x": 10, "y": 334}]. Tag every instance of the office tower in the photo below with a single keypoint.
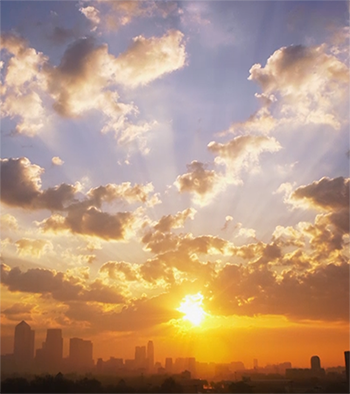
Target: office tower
[
  {"x": 346, "y": 355},
  {"x": 140, "y": 356},
  {"x": 150, "y": 355},
  {"x": 52, "y": 351},
  {"x": 255, "y": 363},
  {"x": 315, "y": 363},
  {"x": 24, "y": 343},
  {"x": 169, "y": 365},
  {"x": 80, "y": 353}
]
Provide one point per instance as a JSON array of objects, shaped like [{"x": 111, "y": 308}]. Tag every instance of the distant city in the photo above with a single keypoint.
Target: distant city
[{"x": 49, "y": 359}]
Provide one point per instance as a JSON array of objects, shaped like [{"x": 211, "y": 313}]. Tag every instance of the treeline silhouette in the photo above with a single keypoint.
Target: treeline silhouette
[{"x": 61, "y": 384}]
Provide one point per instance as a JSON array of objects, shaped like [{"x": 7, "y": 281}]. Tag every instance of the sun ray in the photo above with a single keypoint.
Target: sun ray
[{"x": 191, "y": 307}]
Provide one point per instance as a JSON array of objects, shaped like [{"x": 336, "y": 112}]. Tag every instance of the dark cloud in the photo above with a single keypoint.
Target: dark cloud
[
  {"x": 329, "y": 194},
  {"x": 58, "y": 285}
]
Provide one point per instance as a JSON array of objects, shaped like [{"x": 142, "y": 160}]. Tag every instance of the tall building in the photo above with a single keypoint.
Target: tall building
[
  {"x": 315, "y": 363},
  {"x": 150, "y": 356},
  {"x": 140, "y": 356},
  {"x": 80, "y": 354},
  {"x": 169, "y": 365},
  {"x": 54, "y": 345},
  {"x": 346, "y": 355},
  {"x": 50, "y": 357},
  {"x": 24, "y": 343}
]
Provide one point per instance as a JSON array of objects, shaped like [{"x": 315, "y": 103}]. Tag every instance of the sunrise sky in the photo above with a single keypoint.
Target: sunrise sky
[{"x": 164, "y": 160}]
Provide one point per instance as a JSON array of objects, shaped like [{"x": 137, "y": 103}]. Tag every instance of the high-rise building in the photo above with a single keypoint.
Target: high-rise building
[
  {"x": 150, "y": 356},
  {"x": 315, "y": 363},
  {"x": 140, "y": 356},
  {"x": 24, "y": 343},
  {"x": 80, "y": 354},
  {"x": 346, "y": 355},
  {"x": 169, "y": 365},
  {"x": 54, "y": 344},
  {"x": 50, "y": 356}
]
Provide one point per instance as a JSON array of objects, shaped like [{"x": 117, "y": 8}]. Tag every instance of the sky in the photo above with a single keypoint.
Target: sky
[{"x": 162, "y": 160}]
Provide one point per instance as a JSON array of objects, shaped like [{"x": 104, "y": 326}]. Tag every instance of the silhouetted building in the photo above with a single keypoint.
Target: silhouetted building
[
  {"x": 24, "y": 344},
  {"x": 150, "y": 355},
  {"x": 315, "y": 363},
  {"x": 255, "y": 364},
  {"x": 80, "y": 354},
  {"x": 346, "y": 355},
  {"x": 49, "y": 358},
  {"x": 169, "y": 365},
  {"x": 140, "y": 357}
]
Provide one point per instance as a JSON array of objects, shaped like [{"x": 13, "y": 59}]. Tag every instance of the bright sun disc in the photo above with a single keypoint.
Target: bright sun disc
[{"x": 191, "y": 307}]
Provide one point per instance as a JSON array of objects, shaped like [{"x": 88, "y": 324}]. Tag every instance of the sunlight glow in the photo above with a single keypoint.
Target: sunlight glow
[{"x": 191, "y": 307}]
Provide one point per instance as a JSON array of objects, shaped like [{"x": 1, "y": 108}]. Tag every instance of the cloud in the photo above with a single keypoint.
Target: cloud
[
  {"x": 91, "y": 221},
  {"x": 310, "y": 85},
  {"x": 204, "y": 184},
  {"x": 23, "y": 82},
  {"x": 113, "y": 15},
  {"x": 242, "y": 153},
  {"x": 20, "y": 182},
  {"x": 250, "y": 291},
  {"x": 124, "y": 191},
  {"x": 57, "y": 161},
  {"x": 8, "y": 222},
  {"x": 32, "y": 247},
  {"x": 150, "y": 58},
  {"x": 21, "y": 187},
  {"x": 58, "y": 285},
  {"x": 120, "y": 270},
  {"x": 86, "y": 79},
  {"x": 166, "y": 223},
  {"x": 91, "y": 13},
  {"x": 325, "y": 194},
  {"x": 18, "y": 311}
]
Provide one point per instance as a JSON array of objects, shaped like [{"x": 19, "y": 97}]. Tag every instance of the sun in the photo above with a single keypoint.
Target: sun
[{"x": 191, "y": 307}]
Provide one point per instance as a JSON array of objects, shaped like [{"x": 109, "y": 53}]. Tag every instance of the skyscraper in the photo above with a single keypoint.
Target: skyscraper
[
  {"x": 80, "y": 353},
  {"x": 24, "y": 343},
  {"x": 50, "y": 356},
  {"x": 315, "y": 363},
  {"x": 346, "y": 355},
  {"x": 150, "y": 355},
  {"x": 140, "y": 356}
]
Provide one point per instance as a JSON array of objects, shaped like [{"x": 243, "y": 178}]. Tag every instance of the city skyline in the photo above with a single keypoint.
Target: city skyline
[
  {"x": 176, "y": 171},
  {"x": 50, "y": 357}
]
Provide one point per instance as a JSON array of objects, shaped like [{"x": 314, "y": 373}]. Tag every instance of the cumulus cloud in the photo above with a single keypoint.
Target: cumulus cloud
[
  {"x": 57, "y": 161},
  {"x": 8, "y": 222},
  {"x": 325, "y": 194},
  {"x": 204, "y": 184},
  {"x": 91, "y": 221},
  {"x": 58, "y": 285},
  {"x": 309, "y": 83},
  {"x": 23, "y": 82},
  {"x": 91, "y": 13},
  {"x": 166, "y": 223},
  {"x": 242, "y": 153},
  {"x": 252, "y": 290},
  {"x": 21, "y": 187},
  {"x": 18, "y": 311},
  {"x": 120, "y": 270},
  {"x": 33, "y": 247},
  {"x": 150, "y": 58},
  {"x": 124, "y": 191},
  {"x": 112, "y": 15},
  {"x": 86, "y": 79}
]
